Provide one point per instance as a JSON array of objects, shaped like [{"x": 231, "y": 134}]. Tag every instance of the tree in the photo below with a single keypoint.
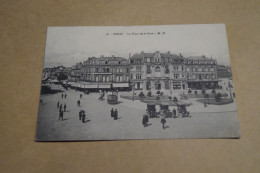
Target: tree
[
  {"x": 141, "y": 94},
  {"x": 149, "y": 94},
  {"x": 218, "y": 97},
  {"x": 213, "y": 91},
  {"x": 62, "y": 76}
]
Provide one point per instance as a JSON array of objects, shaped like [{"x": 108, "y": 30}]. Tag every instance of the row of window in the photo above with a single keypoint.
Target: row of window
[
  {"x": 105, "y": 70},
  {"x": 107, "y": 78}
]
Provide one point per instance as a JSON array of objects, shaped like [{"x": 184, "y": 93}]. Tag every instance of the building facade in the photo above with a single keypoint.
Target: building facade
[
  {"x": 148, "y": 71},
  {"x": 201, "y": 72},
  {"x": 102, "y": 71},
  {"x": 166, "y": 71},
  {"x": 224, "y": 71}
]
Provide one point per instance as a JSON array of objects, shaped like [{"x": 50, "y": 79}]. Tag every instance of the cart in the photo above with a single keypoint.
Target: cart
[{"x": 182, "y": 111}]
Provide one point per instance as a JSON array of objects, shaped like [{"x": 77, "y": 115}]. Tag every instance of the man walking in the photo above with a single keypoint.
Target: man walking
[
  {"x": 174, "y": 113},
  {"x": 62, "y": 95},
  {"x": 78, "y": 103},
  {"x": 163, "y": 121},
  {"x": 80, "y": 115},
  {"x": 65, "y": 95},
  {"x": 60, "y": 107},
  {"x": 83, "y": 116},
  {"x": 112, "y": 113},
  {"x": 61, "y": 115},
  {"x": 115, "y": 114},
  {"x": 80, "y": 96}
]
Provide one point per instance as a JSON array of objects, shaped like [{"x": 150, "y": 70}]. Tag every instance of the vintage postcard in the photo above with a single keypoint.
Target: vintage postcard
[{"x": 137, "y": 82}]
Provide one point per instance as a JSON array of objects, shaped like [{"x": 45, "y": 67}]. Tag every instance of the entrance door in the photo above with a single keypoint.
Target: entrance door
[{"x": 158, "y": 86}]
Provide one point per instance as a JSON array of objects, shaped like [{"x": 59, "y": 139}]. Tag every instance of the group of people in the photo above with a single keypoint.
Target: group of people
[
  {"x": 62, "y": 109},
  {"x": 114, "y": 114},
  {"x": 63, "y": 95},
  {"x": 145, "y": 119},
  {"x": 82, "y": 116}
]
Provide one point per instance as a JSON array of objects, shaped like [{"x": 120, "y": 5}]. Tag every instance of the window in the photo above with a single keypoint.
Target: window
[
  {"x": 131, "y": 76},
  {"x": 138, "y": 76},
  {"x": 148, "y": 71},
  {"x": 167, "y": 69},
  {"x": 148, "y": 60},
  {"x": 138, "y": 68},
  {"x": 175, "y": 76},
  {"x": 175, "y": 68},
  {"x": 119, "y": 62},
  {"x": 157, "y": 69},
  {"x": 105, "y": 62},
  {"x": 131, "y": 61}
]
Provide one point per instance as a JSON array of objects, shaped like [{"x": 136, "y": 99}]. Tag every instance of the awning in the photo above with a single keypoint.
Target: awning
[
  {"x": 121, "y": 85},
  {"x": 104, "y": 86}
]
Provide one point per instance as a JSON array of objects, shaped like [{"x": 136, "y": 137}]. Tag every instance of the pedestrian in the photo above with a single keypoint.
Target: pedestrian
[
  {"x": 78, "y": 102},
  {"x": 65, "y": 107},
  {"x": 58, "y": 105},
  {"x": 80, "y": 115},
  {"x": 80, "y": 96},
  {"x": 115, "y": 114},
  {"x": 112, "y": 112},
  {"x": 83, "y": 117},
  {"x": 62, "y": 95},
  {"x": 144, "y": 121},
  {"x": 174, "y": 112},
  {"x": 61, "y": 115},
  {"x": 65, "y": 95},
  {"x": 163, "y": 121}
]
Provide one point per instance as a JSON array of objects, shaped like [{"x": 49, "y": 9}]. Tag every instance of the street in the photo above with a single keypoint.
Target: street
[{"x": 204, "y": 122}]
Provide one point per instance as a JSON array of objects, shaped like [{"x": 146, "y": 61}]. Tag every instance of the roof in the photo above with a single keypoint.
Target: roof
[{"x": 203, "y": 57}]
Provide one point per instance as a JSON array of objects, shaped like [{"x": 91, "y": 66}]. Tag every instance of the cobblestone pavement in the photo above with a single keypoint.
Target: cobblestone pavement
[{"x": 204, "y": 123}]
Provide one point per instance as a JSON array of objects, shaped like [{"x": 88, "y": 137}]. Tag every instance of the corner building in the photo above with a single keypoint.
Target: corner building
[
  {"x": 157, "y": 71},
  {"x": 166, "y": 71}
]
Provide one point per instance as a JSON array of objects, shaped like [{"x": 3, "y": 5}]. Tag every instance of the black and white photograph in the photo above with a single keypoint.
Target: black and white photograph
[{"x": 137, "y": 82}]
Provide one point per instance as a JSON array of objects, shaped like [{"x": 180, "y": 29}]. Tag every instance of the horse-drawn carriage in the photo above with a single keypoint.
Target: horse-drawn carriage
[{"x": 182, "y": 110}]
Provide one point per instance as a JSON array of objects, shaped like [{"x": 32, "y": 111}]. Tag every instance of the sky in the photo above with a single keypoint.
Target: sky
[{"x": 68, "y": 45}]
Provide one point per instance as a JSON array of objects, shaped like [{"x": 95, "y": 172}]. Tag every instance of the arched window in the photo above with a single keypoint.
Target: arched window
[
  {"x": 157, "y": 69},
  {"x": 167, "y": 86}
]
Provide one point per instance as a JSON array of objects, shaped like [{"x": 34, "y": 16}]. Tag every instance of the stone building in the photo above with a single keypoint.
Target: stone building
[
  {"x": 224, "y": 71},
  {"x": 201, "y": 72},
  {"x": 157, "y": 71},
  {"x": 102, "y": 71},
  {"x": 166, "y": 71}
]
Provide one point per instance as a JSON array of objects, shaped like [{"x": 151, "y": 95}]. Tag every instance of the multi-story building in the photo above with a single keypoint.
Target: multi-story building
[
  {"x": 156, "y": 71},
  {"x": 224, "y": 71},
  {"x": 102, "y": 72},
  {"x": 201, "y": 72},
  {"x": 166, "y": 71}
]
